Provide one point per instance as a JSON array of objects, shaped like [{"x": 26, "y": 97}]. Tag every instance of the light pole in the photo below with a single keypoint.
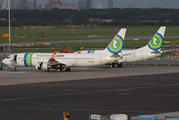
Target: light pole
[
  {"x": 129, "y": 4},
  {"x": 138, "y": 38},
  {"x": 83, "y": 37},
  {"x": 9, "y": 27},
  {"x": 138, "y": 34}
]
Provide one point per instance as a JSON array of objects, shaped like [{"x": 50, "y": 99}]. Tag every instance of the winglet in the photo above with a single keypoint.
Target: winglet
[{"x": 54, "y": 54}]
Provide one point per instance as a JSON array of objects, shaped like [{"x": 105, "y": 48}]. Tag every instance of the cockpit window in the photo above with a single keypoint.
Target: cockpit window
[{"x": 8, "y": 57}]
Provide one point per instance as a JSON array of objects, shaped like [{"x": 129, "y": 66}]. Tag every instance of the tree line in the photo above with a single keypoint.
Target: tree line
[{"x": 126, "y": 16}]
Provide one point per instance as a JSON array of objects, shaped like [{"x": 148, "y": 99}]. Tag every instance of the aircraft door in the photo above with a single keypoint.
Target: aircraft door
[
  {"x": 100, "y": 59},
  {"x": 142, "y": 55},
  {"x": 15, "y": 58}
]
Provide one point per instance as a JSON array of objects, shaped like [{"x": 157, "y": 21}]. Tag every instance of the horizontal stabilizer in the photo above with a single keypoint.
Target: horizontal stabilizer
[
  {"x": 116, "y": 55},
  {"x": 167, "y": 50},
  {"x": 156, "y": 52}
]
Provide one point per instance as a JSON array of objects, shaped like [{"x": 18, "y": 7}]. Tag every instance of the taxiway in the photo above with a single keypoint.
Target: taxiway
[{"x": 134, "y": 90}]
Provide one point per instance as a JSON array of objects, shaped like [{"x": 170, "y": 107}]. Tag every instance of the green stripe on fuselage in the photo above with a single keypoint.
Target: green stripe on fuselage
[
  {"x": 92, "y": 51},
  {"x": 31, "y": 60}
]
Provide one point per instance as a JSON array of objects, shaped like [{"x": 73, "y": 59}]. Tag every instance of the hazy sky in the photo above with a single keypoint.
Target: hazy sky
[{"x": 124, "y": 3}]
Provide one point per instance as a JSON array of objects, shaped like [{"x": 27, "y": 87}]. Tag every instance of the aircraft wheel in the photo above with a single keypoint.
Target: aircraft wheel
[
  {"x": 68, "y": 69},
  {"x": 59, "y": 70},
  {"x": 113, "y": 65},
  {"x": 119, "y": 65}
]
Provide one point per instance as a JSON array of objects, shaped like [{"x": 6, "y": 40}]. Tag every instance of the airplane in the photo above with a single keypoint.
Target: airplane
[
  {"x": 151, "y": 50},
  {"x": 59, "y": 61}
]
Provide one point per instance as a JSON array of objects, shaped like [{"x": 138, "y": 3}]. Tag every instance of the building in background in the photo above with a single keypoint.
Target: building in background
[
  {"x": 19, "y": 4},
  {"x": 52, "y": 2},
  {"x": 99, "y": 5},
  {"x": 30, "y": 4},
  {"x": 82, "y": 5},
  {"x": 4, "y": 4},
  {"x": 110, "y": 4},
  {"x": 12, "y": 4},
  {"x": 67, "y": 6},
  {"x": 24, "y": 4},
  {"x": 101, "y": 20},
  {"x": 89, "y": 4},
  {"x": 47, "y": 6},
  {"x": 85, "y": 4},
  {"x": 40, "y": 7}
]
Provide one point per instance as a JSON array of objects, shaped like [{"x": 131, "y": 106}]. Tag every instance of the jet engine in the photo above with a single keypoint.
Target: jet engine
[{"x": 41, "y": 66}]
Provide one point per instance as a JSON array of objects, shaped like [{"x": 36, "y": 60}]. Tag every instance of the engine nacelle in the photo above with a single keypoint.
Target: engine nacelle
[{"x": 41, "y": 66}]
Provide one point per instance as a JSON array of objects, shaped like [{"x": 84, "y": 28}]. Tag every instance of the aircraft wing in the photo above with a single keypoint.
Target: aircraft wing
[{"x": 53, "y": 62}]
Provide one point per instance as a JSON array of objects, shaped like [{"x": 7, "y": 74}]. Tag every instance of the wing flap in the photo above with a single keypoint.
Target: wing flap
[{"x": 54, "y": 62}]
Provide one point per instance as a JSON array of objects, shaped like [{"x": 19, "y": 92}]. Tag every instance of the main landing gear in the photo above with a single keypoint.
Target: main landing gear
[
  {"x": 60, "y": 69},
  {"x": 68, "y": 69},
  {"x": 119, "y": 65}
]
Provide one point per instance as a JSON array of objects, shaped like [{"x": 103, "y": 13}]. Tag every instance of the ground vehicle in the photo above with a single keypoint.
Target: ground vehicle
[
  {"x": 1, "y": 66},
  {"x": 67, "y": 51},
  {"x": 5, "y": 35},
  {"x": 43, "y": 34}
]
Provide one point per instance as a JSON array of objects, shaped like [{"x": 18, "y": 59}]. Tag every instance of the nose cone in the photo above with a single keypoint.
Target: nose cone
[{"x": 5, "y": 61}]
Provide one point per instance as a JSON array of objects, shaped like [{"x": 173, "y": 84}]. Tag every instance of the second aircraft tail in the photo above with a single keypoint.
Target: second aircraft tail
[{"x": 156, "y": 42}]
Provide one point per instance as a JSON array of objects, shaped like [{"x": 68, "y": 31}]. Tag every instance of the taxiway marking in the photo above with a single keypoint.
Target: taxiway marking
[{"x": 89, "y": 92}]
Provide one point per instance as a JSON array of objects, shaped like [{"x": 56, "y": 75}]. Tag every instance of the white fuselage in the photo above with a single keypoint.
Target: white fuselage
[
  {"x": 136, "y": 55},
  {"x": 131, "y": 55},
  {"x": 68, "y": 59}
]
